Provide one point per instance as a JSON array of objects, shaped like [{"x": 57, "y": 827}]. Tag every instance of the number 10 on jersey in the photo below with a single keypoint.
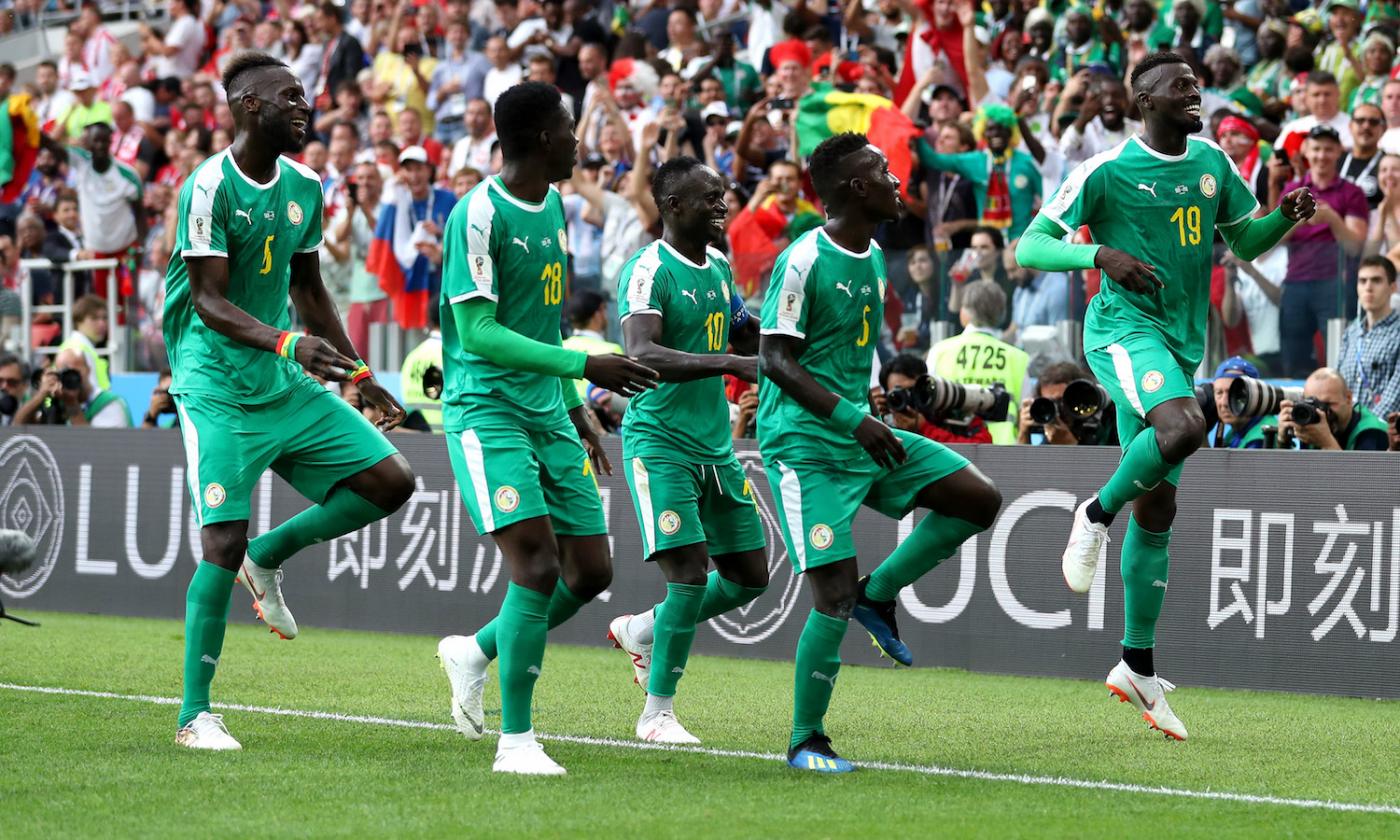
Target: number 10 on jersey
[{"x": 553, "y": 279}]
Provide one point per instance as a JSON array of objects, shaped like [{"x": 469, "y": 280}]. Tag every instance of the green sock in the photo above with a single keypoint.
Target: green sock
[
  {"x": 931, "y": 542},
  {"x": 818, "y": 660},
  {"x": 521, "y": 630},
  {"x": 344, "y": 511},
  {"x": 562, "y": 606},
  {"x": 1144, "y": 568},
  {"x": 1140, "y": 470},
  {"x": 675, "y": 630},
  {"x": 206, "y": 617},
  {"x": 723, "y": 595}
]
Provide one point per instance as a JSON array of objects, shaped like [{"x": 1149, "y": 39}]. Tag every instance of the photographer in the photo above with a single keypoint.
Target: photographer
[
  {"x": 65, "y": 396},
  {"x": 1051, "y": 386},
  {"x": 161, "y": 404},
  {"x": 895, "y": 401},
  {"x": 14, "y": 387},
  {"x": 1340, "y": 425},
  {"x": 978, "y": 356},
  {"x": 1233, "y": 431}
]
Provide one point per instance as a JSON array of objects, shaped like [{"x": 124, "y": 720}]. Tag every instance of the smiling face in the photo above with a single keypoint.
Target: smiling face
[
  {"x": 1113, "y": 105},
  {"x": 998, "y": 137},
  {"x": 1388, "y": 175},
  {"x": 1171, "y": 94},
  {"x": 697, "y": 210},
  {"x": 277, "y": 109},
  {"x": 1237, "y": 145}
]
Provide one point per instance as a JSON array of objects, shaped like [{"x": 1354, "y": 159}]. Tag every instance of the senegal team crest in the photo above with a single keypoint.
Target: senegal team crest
[
  {"x": 563, "y": 240},
  {"x": 1208, "y": 185},
  {"x": 507, "y": 499},
  {"x": 214, "y": 494},
  {"x": 1152, "y": 380},
  {"x": 1021, "y": 181},
  {"x": 820, "y": 537},
  {"x": 669, "y": 522},
  {"x": 294, "y": 214}
]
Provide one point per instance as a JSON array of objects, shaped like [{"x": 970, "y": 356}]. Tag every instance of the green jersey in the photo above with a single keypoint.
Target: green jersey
[
  {"x": 686, "y": 419},
  {"x": 833, "y": 300},
  {"x": 514, "y": 253},
  {"x": 257, "y": 228},
  {"x": 1163, "y": 210}
]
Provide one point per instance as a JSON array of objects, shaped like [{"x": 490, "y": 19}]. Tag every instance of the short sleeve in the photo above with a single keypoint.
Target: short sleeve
[
  {"x": 785, "y": 308},
  {"x": 1072, "y": 204},
  {"x": 201, "y": 230},
  {"x": 1237, "y": 200},
  {"x": 312, "y": 226},
  {"x": 642, "y": 286},
  {"x": 469, "y": 251}
]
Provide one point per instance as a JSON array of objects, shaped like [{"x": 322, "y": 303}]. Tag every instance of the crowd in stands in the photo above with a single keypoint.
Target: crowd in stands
[{"x": 1001, "y": 99}]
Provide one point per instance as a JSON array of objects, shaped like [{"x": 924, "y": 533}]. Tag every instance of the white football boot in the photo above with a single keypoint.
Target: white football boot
[
  {"x": 1149, "y": 696},
  {"x": 639, "y": 653},
  {"x": 663, "y": 728},
  {"x": 465, "y": 665},
  {"x": 265, "y": 585},
  {"x": 1088, "y": 543},
  {"x": 523, "y": 755},
  {"x": 206, "y": 732}
]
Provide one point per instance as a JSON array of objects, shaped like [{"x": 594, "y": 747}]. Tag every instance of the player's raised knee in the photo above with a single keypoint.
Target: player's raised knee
[
  {"x": 398, "y": 481},
  {"x": 984, "y": 503},
  {"x": 1181, "y": 437}
]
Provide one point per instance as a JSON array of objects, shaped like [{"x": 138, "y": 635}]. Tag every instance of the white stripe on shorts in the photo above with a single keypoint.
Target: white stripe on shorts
[
  {"x": 641, "y": 481},
  {"x": 476, "y": 471},
  {"x": 791, "y": 492},
  {"x": 1123, "y": 367},
  {"x": 190, "y": 433}
]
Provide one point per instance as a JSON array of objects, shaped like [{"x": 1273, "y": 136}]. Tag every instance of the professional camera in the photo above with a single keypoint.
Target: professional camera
[
  {"x": 1257, "y": 398},
  {"x": 1308, "y": 410},
  {"x": 1081, "y": 407},
  {"x": 8, "y": 405},
  {"x": 990, "y": 402},
  {"x": 432, "y": 382}
]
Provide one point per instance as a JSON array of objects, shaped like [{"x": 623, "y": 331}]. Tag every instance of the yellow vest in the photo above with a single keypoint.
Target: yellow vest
[
  {"x": 593, "y": 346},
  {"x": 419, "y": 359},
  {"x": 978, "y": 358},
  {"x": 97, "y": 364}
]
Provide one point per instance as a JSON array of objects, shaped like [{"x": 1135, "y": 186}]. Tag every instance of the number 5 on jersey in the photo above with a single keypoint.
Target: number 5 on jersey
[{"x": 267, "y": 255}]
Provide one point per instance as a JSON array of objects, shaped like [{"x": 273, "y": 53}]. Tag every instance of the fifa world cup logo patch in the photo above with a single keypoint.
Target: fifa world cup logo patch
[
  {"x": 820, "y": 537},
  {"x": 1152, "y": 381},
  {"x": 214, "y": 494},
  {"x": 507, "y": 499},
  {"x": 669, "y": 522}
]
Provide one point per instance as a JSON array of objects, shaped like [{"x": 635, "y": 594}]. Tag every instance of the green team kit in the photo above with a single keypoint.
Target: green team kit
[
  {"x": 820, "y": 474},
  {"x": 1162, "y": 209},
  {"x": 243, "y": 409},
  {"x": 687, "y": 485},
  {"x": 514, "y": 450}
]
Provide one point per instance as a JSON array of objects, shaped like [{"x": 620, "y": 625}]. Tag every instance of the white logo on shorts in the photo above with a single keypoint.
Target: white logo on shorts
[{"x": 214, "y": 494}]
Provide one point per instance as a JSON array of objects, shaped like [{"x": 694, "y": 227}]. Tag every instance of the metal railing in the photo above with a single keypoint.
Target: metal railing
[{"x": 113, "y": 349}]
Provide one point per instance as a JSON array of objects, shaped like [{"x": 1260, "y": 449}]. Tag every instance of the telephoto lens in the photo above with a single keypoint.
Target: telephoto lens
[
  {"x": 1084, "y": 398},
  {"x": 1044, "y": 411},
  {"x": 989, "y": 403},
  {"x": 432, "y": 382},
  {"x": 1257, "y": 398}
]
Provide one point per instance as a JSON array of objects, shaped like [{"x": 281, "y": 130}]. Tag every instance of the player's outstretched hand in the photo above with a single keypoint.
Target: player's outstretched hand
[
  {"x": 321, "y": 358},
  {"x": 1129, "y": 272},
  {"x": 619, "y": 374},
  {"x": 1299, "y": 205},
  {"x": 880, "y": 442},
  {"x": 391, "y": 414}
]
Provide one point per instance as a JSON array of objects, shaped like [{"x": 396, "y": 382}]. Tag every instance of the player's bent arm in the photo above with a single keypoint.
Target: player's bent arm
[
  {"x": 315, "y": 305},
  {"x": 970, "y": 165},
  {"x": 482, "y": 335},
  {"x": 1250, "y": 238},
  {"x": 1042, "y": 248},
  {"x": 777, "y": 360},
  {"x": 209, "y": 295},
  {"x": 641, "y": 334}
]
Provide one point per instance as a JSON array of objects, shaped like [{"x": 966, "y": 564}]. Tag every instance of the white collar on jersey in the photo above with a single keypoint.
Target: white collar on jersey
[
  {"x": 1161, "y": 155},
  {"x": 682, "y": 257},
  {"x": 821, "y": 231}
]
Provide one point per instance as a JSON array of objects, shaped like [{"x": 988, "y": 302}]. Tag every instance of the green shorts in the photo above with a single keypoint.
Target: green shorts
[
  {"x": 1140, "y": 373},
  {"x": 508, "y": 473},
  {"x": 310, "y": 437},
  {"x": 818, "y": 500},
  {"x": 680, "y": 503}
]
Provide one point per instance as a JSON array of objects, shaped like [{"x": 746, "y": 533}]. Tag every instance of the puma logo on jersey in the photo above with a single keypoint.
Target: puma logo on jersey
[
  {"x": 525, "y": 243},
  {"x": 1143, "y": 487},
  {"x": 1152, "y": 189},
  {"x": 244, "y": 214},
  {"x": 202, "y": 188},
  {"x": 690, "y": 295},
  {"x": 845, "y": 288}
]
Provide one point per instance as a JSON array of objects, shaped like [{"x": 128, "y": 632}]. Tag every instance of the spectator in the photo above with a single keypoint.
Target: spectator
[
  {"x": 952, "y": 206},
  {"x": 1339, "y": 57},
  {"x": 1040, "y": 299},
  {"x": 1323, "y": 100},
  {"x": 342, "y": 56},
  {"x": 1377, "y": 58},
  {"x": 1268, "y": 76},
  {"x": 1312, "y": 286},
  {"x": 978, "y": 356},
  {"x": 458, "y": 80},
  {"x": 1359, "y": 165},
  {"x": 32, "y": 242},
  {"x": 99, "y": 47},
  {"x": 741, "y": 83},
  {"x": 161, "y": 405},
  {"x": 985, "y": 259},
  {"x": 177, "y": 54},
  {"x": 1369, "y": 360},
  {"x": 407, "y": 252},
  {"x": 75, "y": 403},
  {"x": 53, "y": 101},
  {"x": 585, "y": 225},
  {"x": 401, "y": 75},
  {"x": 1006, "y": 179},
  {"x": 504, "y": 72},
  {"x": 14, "y": 387},
  {"x": 1255, "y": 299},
  {"x": 410, "y": 134},
  {"x": 1344, "y": 425},
  {"x": 899, "y": 381},
  {"x": 473, "y": 150},
  {"x": 587, "y": 312},
  {"x": 65, "y": 243},
  {"x": 1228, "y": 89},
  {"x": 85, "y": 110},
  {"x": 1240, "y": 140},
  {"x": 90, "y": 328},
  {"x": 421, "y": 377},
  {"x": 774, "y": 217},
  {"x": 1232, "y": 431},
  {"x": 1383, "y": 234},
  {"x": 1101, "y": 123},
  {"x": 1051, "y": 385}
]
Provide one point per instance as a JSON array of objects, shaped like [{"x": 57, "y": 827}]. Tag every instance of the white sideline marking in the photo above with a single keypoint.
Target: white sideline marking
[{"x": 949, "y": 772}]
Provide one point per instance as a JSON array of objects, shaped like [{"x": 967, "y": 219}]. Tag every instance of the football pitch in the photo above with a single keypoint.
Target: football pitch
[{"x": 347, "y": 734}]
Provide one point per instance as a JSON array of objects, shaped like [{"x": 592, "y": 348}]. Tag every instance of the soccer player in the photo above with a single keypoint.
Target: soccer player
[
  {"x": 680, "y": 312},
  {"x": 826, "y": 455},
  {"x": 248, "y": 226},
  {"x": 1152, "y": 204},
  {"x": 519, "y": 441}
]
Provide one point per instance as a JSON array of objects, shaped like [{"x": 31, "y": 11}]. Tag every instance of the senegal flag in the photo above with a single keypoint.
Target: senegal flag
[{"x": 824, "y": 113}]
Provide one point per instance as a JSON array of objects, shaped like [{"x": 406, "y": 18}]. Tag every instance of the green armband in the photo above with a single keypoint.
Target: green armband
[{"x": 846, "y": 416}]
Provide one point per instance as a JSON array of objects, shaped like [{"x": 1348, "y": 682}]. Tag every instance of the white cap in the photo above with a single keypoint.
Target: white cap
[
  {"x": 80, "y": 80},
  {"x": 715, "y": 109},
  {"x": 734, "y": 127},
  {"x": 415, "y": 154}
]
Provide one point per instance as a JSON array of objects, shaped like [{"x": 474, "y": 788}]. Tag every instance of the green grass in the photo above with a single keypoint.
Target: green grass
[{"x": 80, "y": 767}]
